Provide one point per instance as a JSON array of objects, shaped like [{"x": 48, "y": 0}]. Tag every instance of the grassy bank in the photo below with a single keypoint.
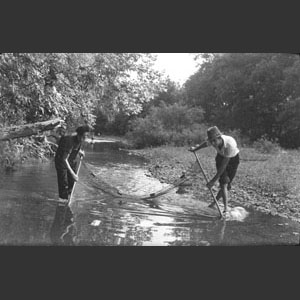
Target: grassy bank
[{"x": 266, "y": 182}]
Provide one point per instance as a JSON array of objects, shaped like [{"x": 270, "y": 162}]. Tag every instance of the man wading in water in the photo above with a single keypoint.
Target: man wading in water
[
  {"x": 65, "y": 161},
  {"x": 227, "y": 161}
]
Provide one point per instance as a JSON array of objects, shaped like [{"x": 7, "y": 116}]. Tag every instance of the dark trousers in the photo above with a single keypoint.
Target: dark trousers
[
  {"x": 65, "y": 181},
  {"x": 230, "y": 171}
]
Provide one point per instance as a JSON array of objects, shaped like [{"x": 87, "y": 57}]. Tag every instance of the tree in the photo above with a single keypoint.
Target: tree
[
  {"x": 126, "y": 82},
  {"x": 36, "y": 87},
  {"x": 171, "y": 94},
  {"x": 245, "y": 91},
  {"x": 74, "y": 86}
]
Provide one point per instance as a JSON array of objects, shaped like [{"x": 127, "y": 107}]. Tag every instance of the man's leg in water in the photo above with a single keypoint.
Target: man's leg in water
[
  {"x": 62, "y": 180},
  {"x": 225, "y": 196},
  {"x": 223, "y": 193},
  {"x": 218, "y": 197}
]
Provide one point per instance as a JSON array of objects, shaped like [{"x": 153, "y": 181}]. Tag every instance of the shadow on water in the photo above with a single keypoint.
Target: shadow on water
[{"x": 30, "y": 214}]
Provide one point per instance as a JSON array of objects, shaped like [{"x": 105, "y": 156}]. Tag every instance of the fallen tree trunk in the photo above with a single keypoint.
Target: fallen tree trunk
[{"x": 26, "y": 130}]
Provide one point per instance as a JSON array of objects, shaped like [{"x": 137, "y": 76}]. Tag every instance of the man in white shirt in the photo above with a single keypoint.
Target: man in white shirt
[{"x": 227, "y": 161}]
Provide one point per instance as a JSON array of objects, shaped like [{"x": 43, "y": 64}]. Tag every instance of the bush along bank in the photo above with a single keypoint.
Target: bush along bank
[
  {"x": 15, "y": 152},
  {"x": 268, "y": 182}
]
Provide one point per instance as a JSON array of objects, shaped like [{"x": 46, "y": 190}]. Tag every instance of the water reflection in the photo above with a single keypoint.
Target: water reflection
[
  {"x": 137, "y": 224},
  {"x": 63, "y": 229},
  {"x": 195, "y": 233}
]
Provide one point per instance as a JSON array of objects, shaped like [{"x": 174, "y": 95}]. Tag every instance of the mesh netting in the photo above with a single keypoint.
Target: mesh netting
[
  {"x": 97, "y": 183},
  {"x": 93, "y": 181}
]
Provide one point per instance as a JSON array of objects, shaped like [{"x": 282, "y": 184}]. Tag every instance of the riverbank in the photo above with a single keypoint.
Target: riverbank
[
  {"x": 15, "y": 153},
  {"x": 266, "y": 182}
]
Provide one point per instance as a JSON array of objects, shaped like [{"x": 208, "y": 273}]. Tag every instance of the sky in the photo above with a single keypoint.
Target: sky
[{"x": 179, "y": 66}]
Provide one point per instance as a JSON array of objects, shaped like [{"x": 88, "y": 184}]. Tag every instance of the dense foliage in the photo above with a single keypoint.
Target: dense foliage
[
  {"x": 175, "y": 124},
  {"x": 259, "y": 94},
  {"x": 74, "y": 86}
]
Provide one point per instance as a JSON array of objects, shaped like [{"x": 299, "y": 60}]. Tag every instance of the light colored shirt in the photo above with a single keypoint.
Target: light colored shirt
[{"x": 229, "y": 148}]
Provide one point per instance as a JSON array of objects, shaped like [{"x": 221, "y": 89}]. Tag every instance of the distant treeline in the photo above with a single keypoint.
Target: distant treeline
[{"x": 255, "y": 95}]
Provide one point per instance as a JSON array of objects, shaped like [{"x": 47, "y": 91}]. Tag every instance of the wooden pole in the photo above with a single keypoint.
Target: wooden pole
[
  {"x": 197, "y": 158},
  {"x": 69, "y": 202}
]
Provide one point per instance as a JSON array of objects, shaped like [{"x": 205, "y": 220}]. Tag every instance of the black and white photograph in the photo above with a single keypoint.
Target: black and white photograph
[{"x": 149, "y": 149}]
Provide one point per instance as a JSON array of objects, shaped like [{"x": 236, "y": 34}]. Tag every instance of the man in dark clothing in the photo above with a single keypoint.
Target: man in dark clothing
[{"x": 65, "y": 161}]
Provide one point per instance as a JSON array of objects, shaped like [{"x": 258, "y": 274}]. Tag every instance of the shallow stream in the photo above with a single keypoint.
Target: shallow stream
[{"x": 30, "y": 214}]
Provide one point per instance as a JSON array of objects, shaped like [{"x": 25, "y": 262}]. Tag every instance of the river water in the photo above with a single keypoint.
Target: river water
[{"x": 30, "y": 214}]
